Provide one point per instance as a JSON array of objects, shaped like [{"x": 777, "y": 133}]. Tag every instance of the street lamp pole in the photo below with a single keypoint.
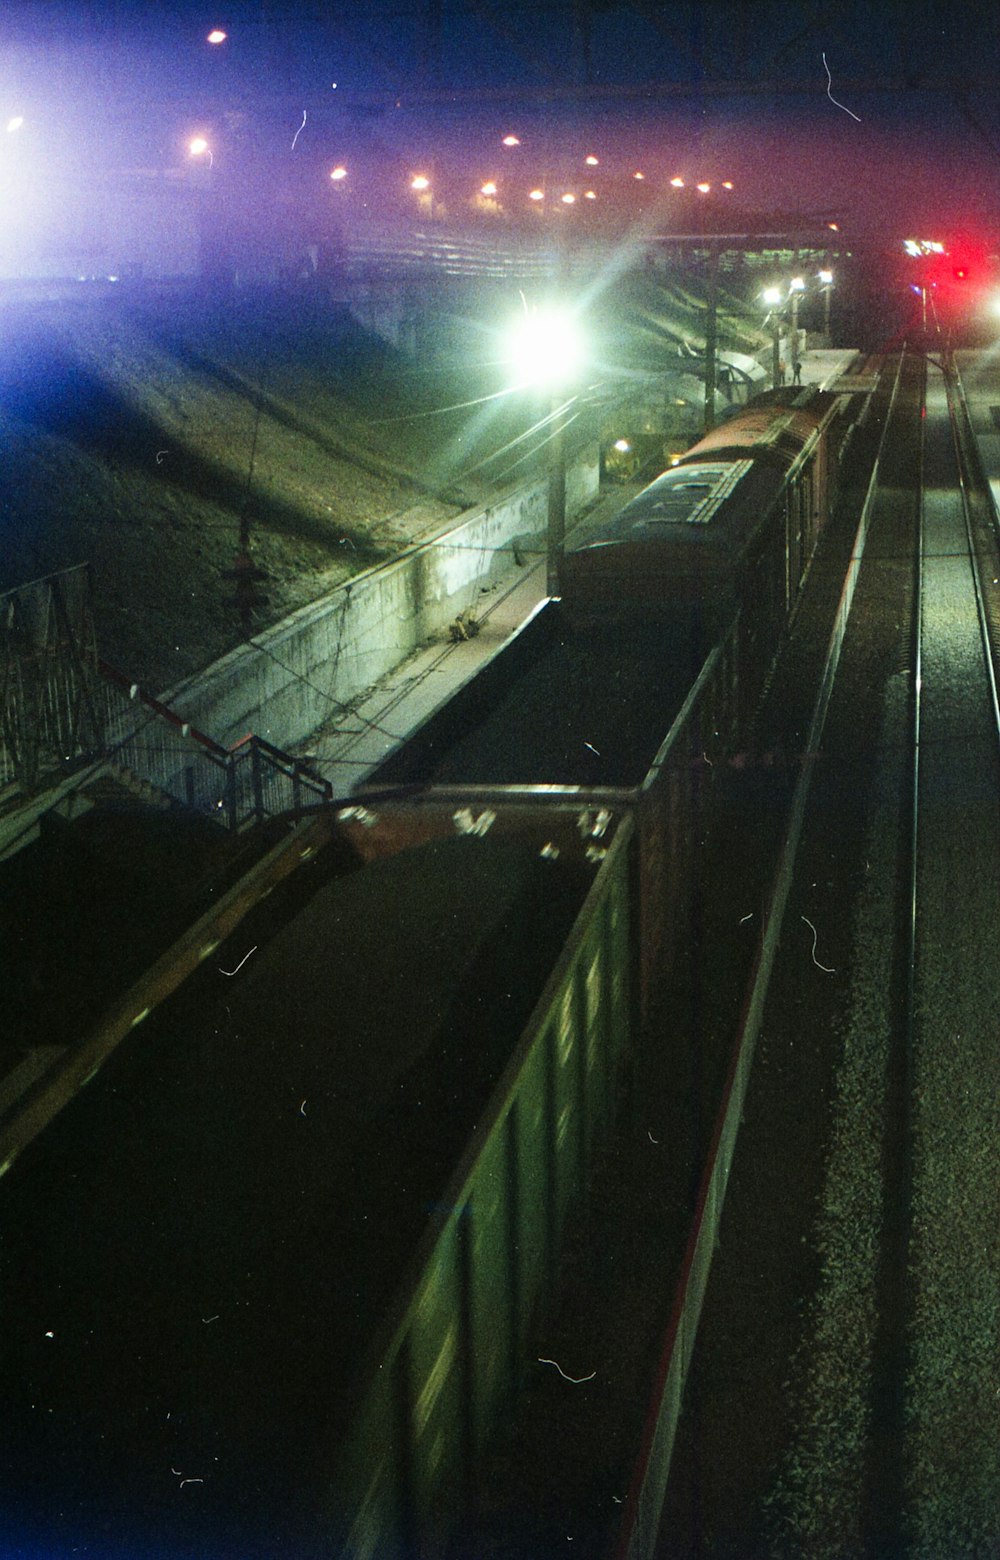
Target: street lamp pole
[
  {"x": 546, "y": 349},
  {"x": 826, "y": 282},
  {"x": 772, "y": 297},
  {"x": 796, "y": 361},
  {"x": 556, "y": 522}
]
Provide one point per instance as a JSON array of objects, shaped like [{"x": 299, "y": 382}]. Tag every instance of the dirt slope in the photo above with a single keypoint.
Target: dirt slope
[
  {"x": 135, "y": 435},
  {"x": 136, "y": 431}
]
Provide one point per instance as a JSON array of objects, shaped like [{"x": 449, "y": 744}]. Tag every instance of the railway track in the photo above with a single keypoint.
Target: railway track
[{"x": 845, "y": 1395}]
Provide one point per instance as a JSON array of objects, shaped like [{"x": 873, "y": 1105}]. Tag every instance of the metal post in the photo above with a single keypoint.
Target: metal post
[
  {"x": 795, "y": 337},
  {"x": 256, "y": 780},
  {"x": 230, "y": 780},
  {"x": 556, "y": 529},
  {"x": 711, "y": 335},
  {"x": 776, "y": 351}
]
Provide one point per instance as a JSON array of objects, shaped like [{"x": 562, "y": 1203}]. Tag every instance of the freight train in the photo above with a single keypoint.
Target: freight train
[
  {"x": 713, "y": 530},
  {"x": 580, "y": 747}
]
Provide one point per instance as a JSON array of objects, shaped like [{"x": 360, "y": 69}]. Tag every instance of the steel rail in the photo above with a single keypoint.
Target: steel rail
[
  {"x": 958, "y": 414},
  {"x": 886, "y": 1494},
  {"x": 884, "y": 1491}
]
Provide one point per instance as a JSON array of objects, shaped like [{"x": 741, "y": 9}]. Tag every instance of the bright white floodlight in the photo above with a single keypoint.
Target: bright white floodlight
[
  {"x": 771, "y": 296},
  {"x": 545, "y": 347}
]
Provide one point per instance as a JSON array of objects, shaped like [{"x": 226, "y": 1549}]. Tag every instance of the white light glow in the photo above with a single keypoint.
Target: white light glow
[
  {"x": 489, "y": 188},
  {"x": 338, "y": 173},
  {"x": 511, "y": 140},
  {"x": 591, "y": 161},
  {"x": 536, "y": 194},
  {"x": 545, "y": 347},
  {"x": 677, "y": 182},
  {"x": 216, "y": 35},
  {"x": 420, "y": 182},
  {"x": 15, "y": 123}
]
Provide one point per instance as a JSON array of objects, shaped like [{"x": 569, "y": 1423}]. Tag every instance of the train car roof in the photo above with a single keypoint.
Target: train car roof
[
  {"x": 686, "y": 498},
  {"x": 775, "y": 433}
]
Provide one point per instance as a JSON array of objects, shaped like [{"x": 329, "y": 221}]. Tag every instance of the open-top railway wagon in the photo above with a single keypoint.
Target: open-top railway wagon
[{"x": 186, "y": 1235}]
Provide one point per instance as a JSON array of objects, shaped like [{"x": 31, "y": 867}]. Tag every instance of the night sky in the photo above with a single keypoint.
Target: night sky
[{"x": 107, "y": 85}]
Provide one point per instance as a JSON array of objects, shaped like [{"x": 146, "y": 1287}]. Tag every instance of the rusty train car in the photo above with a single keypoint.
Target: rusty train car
[{"x": 731, "y": 528}]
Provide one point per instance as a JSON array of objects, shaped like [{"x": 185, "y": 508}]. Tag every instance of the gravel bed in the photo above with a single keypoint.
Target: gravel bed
[
  {"x": 954, "y": 1390},
  {"x": 816, "y": 1505}
]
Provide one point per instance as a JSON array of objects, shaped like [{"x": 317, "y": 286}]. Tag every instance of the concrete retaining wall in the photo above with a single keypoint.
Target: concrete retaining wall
[{"x": 332, "y": 650}]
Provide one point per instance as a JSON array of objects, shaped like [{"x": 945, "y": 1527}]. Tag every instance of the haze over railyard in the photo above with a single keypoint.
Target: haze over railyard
[{"x": 138, "y": 430}]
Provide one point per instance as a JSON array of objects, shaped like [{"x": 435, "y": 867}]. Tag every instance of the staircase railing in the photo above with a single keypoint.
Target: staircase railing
[{"x": 238, "y": 785}]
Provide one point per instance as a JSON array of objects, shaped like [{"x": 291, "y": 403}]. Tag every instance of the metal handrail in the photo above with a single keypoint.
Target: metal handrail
[{"x": 248, "y": 780}]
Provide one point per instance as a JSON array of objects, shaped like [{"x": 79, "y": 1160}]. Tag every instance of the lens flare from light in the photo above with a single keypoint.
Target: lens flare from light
[{"x": 545, "y": 347}]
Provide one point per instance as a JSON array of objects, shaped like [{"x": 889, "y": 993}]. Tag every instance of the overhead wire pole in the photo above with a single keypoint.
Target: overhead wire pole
[{"x": 711, "y": 333}]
